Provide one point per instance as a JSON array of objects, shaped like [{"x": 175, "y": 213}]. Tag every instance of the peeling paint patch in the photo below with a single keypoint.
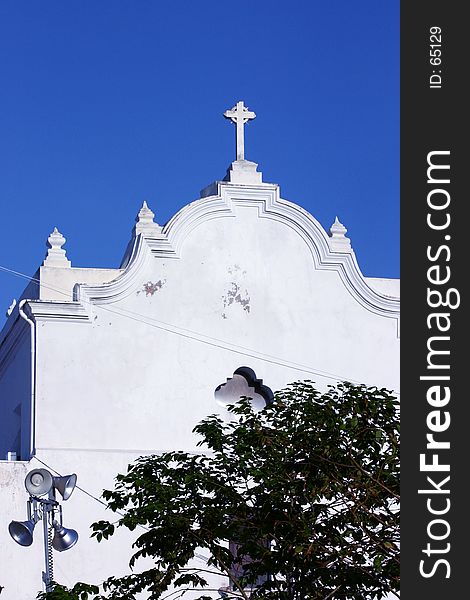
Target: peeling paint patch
[
  {"x": 150, "y": 288},
  {"x": 236, "y": 270},
  {"x": 235, "y": 295}
]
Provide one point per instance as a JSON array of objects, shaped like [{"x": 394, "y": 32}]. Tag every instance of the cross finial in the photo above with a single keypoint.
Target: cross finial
[{"x": 240, "y": 115}]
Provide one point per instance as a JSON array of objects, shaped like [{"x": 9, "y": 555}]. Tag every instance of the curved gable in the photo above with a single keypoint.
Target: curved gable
[{"x": 328, "y": 252}]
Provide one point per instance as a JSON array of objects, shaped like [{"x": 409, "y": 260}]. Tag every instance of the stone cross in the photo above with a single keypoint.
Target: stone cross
[{"x": 240, "y": 115}]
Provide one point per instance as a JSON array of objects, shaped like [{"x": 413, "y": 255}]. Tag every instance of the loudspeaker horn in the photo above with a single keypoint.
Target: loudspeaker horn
[
  {"x": 65, "y": 485},
  {"x": 22, "y": 531},
  {"x": 64, "y": 538},
  {"x": 38, "y": 482}
]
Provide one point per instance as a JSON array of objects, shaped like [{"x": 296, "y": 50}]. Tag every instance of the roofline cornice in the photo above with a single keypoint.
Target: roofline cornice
[{"x": 222, "y": 204}]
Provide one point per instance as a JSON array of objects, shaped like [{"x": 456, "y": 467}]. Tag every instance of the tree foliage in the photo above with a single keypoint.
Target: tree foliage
[
  {"x": 307, "y": 489},
  {"x": 80, "y": 591}
]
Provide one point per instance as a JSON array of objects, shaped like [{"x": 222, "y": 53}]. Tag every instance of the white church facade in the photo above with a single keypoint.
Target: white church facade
[{"x": 101, "y": 366}]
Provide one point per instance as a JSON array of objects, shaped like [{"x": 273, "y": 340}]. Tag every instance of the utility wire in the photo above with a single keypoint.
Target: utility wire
[
  {"x": 78, "y": 487},
  {"x": 194, "y": 335},
  {"x": 187, "y": 333},
  {"x": 196, "y": 554}
]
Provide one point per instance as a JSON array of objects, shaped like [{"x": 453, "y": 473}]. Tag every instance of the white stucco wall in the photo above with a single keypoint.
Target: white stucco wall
[{"x": 240, "y": 278}]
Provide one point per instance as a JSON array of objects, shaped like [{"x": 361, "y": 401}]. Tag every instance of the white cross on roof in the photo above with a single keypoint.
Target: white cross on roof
[{"x": 240, "y": 115}]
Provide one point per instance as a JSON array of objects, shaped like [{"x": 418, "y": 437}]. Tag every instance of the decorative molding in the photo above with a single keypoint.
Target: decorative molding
[
  {"x": 338, "y": 240},
  {"x": 243, "y": 171},
  {"x": 55, "y": 256},
  {"x": 54, "y": 310},
  {"x": 325, "y": 250},
  {"x": 144, "y": 222},
  {"x": 126, "y": 283}
]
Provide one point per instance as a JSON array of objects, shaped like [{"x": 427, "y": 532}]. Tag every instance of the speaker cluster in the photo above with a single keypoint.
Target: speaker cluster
[{"x": 40, "y": 483}]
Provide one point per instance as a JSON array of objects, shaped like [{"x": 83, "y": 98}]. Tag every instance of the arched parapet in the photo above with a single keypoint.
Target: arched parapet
[{"x": 329, "y": 252}]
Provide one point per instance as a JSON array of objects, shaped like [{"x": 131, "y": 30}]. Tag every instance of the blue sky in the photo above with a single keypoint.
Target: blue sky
[{"x": 105, "y": 104}]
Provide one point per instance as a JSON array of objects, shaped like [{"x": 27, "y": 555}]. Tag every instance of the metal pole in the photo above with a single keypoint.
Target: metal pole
[{"x": 48, "y": 575}]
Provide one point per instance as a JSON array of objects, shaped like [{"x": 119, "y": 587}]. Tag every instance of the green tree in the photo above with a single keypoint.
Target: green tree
[
  {"x": 306, "y": 491},
  {"x": 80, "y": 591}
]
